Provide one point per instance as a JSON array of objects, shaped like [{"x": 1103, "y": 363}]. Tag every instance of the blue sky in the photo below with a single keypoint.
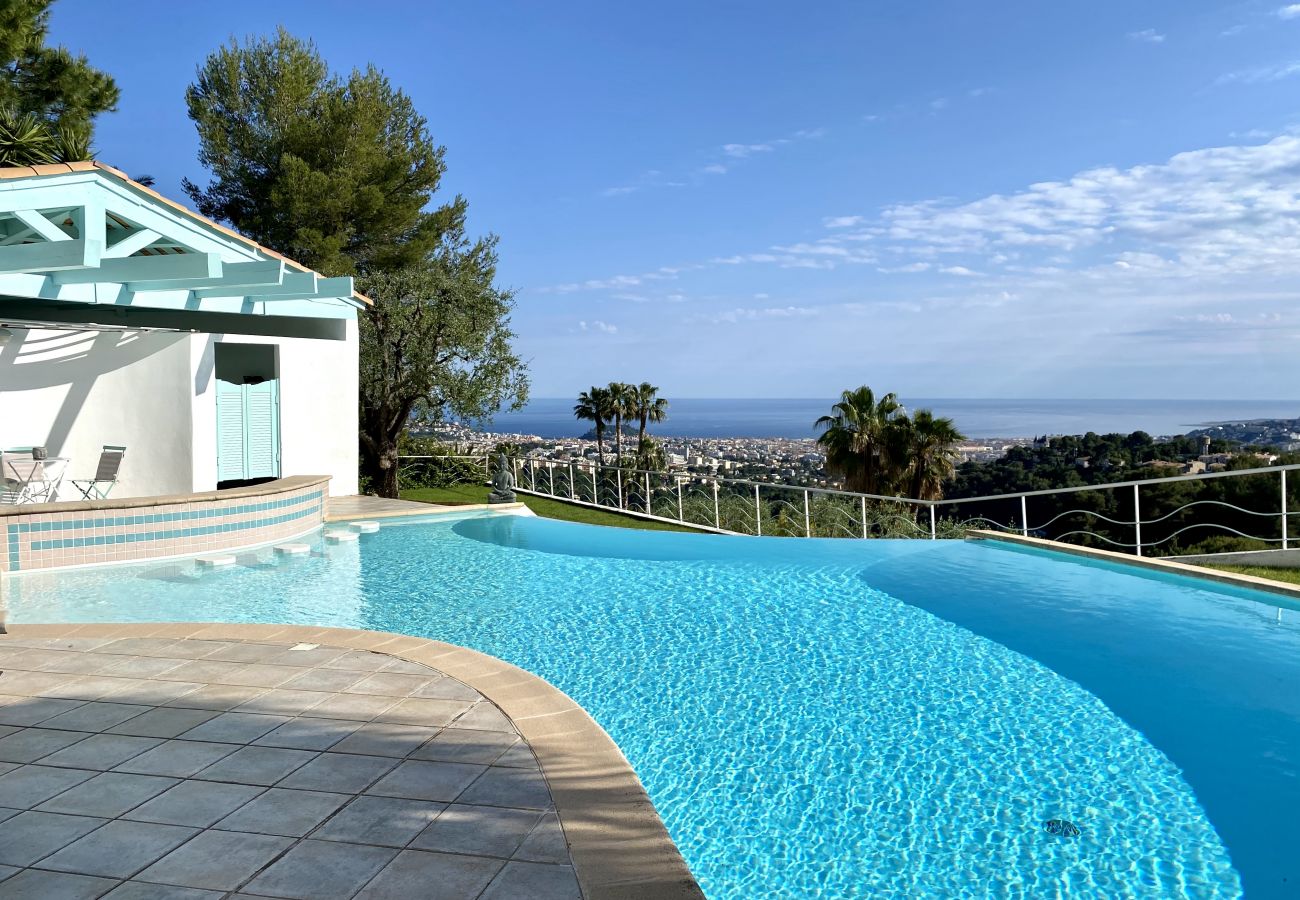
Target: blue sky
[{"x": 1016, "y": 199}]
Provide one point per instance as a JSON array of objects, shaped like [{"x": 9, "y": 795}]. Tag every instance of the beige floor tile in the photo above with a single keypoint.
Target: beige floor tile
[
  {"x": 321, "y": 870},
  {"x": 432, "y": 876}
]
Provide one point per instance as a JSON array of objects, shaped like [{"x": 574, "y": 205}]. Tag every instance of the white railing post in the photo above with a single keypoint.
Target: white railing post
[
  {"x": 550, "y": 473},
  {"x": 807, "y": 518},
  {"x": 647, "y": 494},
  {"x": 619, "y": 474},
  {"x": 1137, "y": 523},
  {"x": 717, "y": 519},
  {"x": 681, "y": 516},
  {"x": 1024, "y": 517},
  {"x": 864, "y": 517},
  {"x": 1284, "y": 512},
  {"x": 572, "y": 495},
  {"x": 934, "y": 531},
  {"x": 758, "y": 514}
]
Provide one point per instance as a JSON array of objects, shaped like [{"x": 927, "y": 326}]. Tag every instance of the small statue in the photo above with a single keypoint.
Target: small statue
[{"x": 503, "y": 482}]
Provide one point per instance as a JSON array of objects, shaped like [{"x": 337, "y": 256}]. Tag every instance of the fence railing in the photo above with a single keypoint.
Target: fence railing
[{"x": 1159, "y": 515}]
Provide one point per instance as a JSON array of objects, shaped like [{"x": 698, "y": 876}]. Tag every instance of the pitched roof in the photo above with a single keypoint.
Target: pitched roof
[{"x": 15, "y": 172}]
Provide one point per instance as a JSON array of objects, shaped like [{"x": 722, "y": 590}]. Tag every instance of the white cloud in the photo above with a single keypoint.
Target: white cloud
[
  {"x": 740, "y": 151},
  {"x": 751, "y": 314},
  {"x": 714, "y": 169},
  {"x": 842, "y": 221},
  {"x": 1290, "y": 11},
  {"x": 909, "y": 269},
  {"x": 618, "y": 191},
  {"x": 1261, "y": 74},
  {"x": 618, "y": 282},
  {"x": 941, "y": 103},
  {"x": 1214, "y": 211},
  {"x": 597, "y": 325},
  {"x": 1147, "y": 36},
  {"x": 959, "y": 270},
  {"x": 1233, "y": 31}
]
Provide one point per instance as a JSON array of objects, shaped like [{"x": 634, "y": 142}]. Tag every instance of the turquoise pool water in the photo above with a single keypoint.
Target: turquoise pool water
[{"x": 840, "y": 718}]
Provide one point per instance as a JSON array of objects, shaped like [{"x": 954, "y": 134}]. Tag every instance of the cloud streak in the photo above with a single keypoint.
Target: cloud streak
[{"x": 1147, "y": 36}]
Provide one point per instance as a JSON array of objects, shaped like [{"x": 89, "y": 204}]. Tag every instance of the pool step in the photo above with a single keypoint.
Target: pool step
[
  {"x": 340, "y": 537},
  {"x": 365, "y": 527},
  {"x": 214, "y": 562},
  {"x": 292, "y": 549}
]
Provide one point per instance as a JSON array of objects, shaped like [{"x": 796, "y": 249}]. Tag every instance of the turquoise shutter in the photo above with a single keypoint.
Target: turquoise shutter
[
  {"x": 231, "y": 462},
  {"x": 262, "y": 429}
]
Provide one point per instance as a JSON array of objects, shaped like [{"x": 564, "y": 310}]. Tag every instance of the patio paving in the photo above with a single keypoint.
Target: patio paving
[{"x": 189, "y": 768}]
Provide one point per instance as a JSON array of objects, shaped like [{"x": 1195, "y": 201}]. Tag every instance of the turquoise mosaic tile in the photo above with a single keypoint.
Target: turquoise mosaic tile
[{"x": 183, "y": 524}]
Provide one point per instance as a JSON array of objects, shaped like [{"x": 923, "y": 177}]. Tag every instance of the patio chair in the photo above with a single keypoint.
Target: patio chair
[{"x": 97, "y": 488}]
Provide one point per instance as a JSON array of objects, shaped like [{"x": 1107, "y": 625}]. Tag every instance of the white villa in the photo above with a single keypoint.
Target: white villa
[{"x": 127, "y": 320}]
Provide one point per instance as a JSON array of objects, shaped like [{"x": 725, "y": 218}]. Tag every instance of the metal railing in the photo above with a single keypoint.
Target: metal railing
[{"x": 741, "y": 506}]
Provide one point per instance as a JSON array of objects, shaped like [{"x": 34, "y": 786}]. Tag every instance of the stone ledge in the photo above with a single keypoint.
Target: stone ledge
[{"x": 278, "y": 486}]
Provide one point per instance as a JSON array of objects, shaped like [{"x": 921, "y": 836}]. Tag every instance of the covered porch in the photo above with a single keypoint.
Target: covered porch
[{"x": 130, "y": 323}]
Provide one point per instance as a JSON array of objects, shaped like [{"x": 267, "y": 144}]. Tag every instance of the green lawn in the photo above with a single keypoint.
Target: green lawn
[
  {"x": 552, "y": 509},
  {"x": 1289, "y": 575}
]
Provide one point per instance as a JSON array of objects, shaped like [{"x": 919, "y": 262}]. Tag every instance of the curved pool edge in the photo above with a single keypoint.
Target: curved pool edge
[
  {"x": 618, "y": 844},
  {"x": 1157, "y": 564}
]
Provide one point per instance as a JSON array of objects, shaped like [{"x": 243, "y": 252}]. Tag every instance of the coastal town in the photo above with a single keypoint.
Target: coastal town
[
  {"x": 802, "y": 462},
  {"x": 775, "y": 460}
]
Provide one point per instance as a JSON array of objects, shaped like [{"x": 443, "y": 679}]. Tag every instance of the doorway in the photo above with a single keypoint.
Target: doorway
[{"x": 248, "y": 414}]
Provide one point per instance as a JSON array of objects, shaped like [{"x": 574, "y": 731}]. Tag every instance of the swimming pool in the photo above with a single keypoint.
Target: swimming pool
[{"x": 818, "y": 718}]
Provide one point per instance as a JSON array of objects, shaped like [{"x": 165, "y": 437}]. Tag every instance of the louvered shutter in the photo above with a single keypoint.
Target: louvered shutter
[
  {"x": 231, "y": 458},
  {"x": 262, "y": 430}
]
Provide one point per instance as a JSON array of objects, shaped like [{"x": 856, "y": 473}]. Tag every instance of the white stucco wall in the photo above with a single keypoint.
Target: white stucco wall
[
  {"x": 155, "y": 393},
  {"x": 74, "y": 392}
]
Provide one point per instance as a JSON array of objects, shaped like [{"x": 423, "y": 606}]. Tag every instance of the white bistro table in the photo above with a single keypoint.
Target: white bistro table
[{"x": 24, "y": 479}]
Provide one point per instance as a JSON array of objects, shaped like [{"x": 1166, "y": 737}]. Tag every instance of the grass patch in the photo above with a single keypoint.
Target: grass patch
[
  {"x": 551, "y": 509},
  {"x": 1291, "y": 576}
]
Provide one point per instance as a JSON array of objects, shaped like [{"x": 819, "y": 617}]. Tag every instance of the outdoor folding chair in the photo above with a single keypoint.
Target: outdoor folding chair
[{"x": 97, "y": 488}]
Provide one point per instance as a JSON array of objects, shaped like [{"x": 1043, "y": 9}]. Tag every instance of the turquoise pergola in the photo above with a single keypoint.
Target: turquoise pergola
[{"x": 83, "y": 244}]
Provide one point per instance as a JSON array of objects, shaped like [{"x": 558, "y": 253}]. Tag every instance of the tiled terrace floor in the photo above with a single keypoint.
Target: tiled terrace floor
[{"x": 144, "y": 768}]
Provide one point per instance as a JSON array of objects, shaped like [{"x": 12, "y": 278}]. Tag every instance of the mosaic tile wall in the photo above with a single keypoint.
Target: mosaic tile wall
[{"x": 44, "y": 540}]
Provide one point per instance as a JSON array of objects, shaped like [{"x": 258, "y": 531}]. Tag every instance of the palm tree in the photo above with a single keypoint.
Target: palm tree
[
  {"x": 28, "y": 140},
  {"x": 856, "y": 439},
  {"x": 595, "y": 406},
  {"x": 622, "y": 407},
  {"x": 931, "y": 453},
  {"x": 650, "y": 407}
]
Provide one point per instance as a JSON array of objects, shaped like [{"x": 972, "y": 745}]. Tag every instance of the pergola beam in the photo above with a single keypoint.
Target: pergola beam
[
  {"x": 51, "y": 256},
  {"x": 145, "y": 268},
  {"x": 294, "y": 284},
  {"x": 41, "y": 225},
  {"x": 324, "y": 289},
  {"x": 137, "y": 240},
  {"x": 259, "y": 274}
]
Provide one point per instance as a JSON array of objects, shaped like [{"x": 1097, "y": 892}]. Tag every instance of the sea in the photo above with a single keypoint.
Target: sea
[{"x": 552, "y": 417}]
